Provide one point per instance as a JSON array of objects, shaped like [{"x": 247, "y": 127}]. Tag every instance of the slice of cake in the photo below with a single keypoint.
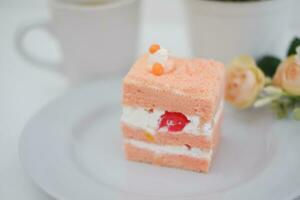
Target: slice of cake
[{"x": 172, "y": 110}]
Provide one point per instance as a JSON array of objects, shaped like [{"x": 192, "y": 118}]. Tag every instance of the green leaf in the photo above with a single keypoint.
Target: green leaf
[
  {"x": 292, "y": 48},
  {"x": 287, "y": 102},
  {"x": 268, "y": 64},
  {"x": 296, "y": 113},
  {"x": 282, "y": 106},
  {"x": 279, "y": 109},
  {"x": 272, "y": 90},
  {"x": 263, "y": 102}
]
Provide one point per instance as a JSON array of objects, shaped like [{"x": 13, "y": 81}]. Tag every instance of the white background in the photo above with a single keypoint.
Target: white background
[{"x": 24, "y": 89}]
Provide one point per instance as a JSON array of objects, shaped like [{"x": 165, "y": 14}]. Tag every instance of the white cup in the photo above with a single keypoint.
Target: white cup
[
  {"x": 223, "y": 30},
  {"x": 96, "y": 39}
]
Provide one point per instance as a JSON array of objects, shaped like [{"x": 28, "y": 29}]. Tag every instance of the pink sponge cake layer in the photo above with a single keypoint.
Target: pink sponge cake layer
[
  {"x": 193, "y": 87},
  {"x": 169, "y": 160}
]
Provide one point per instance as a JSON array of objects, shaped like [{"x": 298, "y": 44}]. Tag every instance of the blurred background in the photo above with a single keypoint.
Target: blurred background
[{"x": 25, "y": 88}]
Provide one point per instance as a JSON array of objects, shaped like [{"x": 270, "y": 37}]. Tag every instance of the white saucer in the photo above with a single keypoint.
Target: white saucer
[{"x": 72, "y": 149}]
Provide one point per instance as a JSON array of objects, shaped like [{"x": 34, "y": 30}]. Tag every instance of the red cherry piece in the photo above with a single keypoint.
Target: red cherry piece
[{"x": 174, "y": 121}]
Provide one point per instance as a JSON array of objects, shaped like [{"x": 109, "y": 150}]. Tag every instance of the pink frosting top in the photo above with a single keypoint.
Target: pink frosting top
[{"x": 192, "y": 77}]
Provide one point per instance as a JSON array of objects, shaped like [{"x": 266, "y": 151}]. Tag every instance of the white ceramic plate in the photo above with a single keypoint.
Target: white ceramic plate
[{"x": 72, "y": 149}]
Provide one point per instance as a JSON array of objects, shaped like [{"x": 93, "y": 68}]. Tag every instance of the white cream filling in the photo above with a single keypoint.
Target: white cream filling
[
  {"x": 161, "y": 56},
  {"x": 208, "y": 127},
  {"x": 168, "y": 149},
  {"x": 141, "y": 118},
  {"x": 149, "y": 121}
]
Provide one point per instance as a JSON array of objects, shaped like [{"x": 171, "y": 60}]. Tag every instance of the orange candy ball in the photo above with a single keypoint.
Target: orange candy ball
[
  {"x": 157, "y": 69},
  {"x": 154, "y": 48}
]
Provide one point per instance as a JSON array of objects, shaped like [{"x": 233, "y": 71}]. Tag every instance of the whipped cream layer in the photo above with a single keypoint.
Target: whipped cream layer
[
  {"x": 149, "y": 120},
  {"x": 168, "y": 149}
]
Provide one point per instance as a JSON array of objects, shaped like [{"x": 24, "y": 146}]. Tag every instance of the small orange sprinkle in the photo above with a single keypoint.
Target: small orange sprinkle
[
  {"x": 154, "y": 48},
  {"x": 188, "y": 146},
  {"x": 149, "y": 137},
  {"x": 150, "y": 110},
  {"x": 157, "y": 69}
]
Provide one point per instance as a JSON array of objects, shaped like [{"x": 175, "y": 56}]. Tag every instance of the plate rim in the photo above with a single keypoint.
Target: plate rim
[
  {"x": 25, "y": 131},
  {"x": 40, "y": 112}
]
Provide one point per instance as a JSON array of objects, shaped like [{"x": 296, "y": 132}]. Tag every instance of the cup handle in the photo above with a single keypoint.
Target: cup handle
[{"x": 20, "y": 35}]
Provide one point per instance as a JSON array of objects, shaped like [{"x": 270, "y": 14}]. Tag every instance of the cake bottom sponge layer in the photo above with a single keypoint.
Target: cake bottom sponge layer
[
  {"x": 182, "y": 151},
  {"x": 136, "y": 153}
]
